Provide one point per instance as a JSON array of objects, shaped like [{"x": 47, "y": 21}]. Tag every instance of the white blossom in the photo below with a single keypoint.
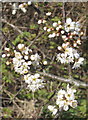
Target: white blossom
[
  {"x": 24, "y": 10},
  {"x": 81, "y": 59},
  {"x": 48, "y": 30},
  {"x": 66, "y": 98},
  {"x": 8, "y": 55},
  {"x": 29, "y": 2},
  {"x": 20, "y": 46},
  {"x": 43, "y": 21},
  {"x": 45, "y": 62},
  {"x": 60, "y": 26},
  {"x": 55, "y": 24},
  {"x": 52, "y": 109},
  {"x": 73, "y": 103},
  {"x": 7, "y": 62},
  {"x": 63, "y": 36},
  {"x": 29, "y": 62},
  {"x": 18, "y": 55},
  {"x": 52, "y": 35},
  {"x": 48, "y": 13},
  {"x": 79, "y": 41},
  {"x": 78, "y": 63},
  {"x": 34, "y": 82},
  {"x": 68, "y": 20},
  {"x": 62, "y": 32},
  {"x": 7, "y": 49},
  {"x": 35, "y": 57},
  {"x": 39, "y": 21},
  {"x": 14, "y": 12},
  {"x": 3, "y": 55},
  {"x": 72, "y": 26},
  {"x": 59, "y": 22},
  {"x": 59, "y": 47},
  {"x": 57, "y": 28},
  {"x": 64, "y": 45},
  {"x": 70, "y": 55},
  {"x": 25, "y": 50},
  {"x": 22, "y": 7},
  {"x": 14, "y": 8},
  {"x": 45, "y": 28},
  {"x": 26, "y": 57}
]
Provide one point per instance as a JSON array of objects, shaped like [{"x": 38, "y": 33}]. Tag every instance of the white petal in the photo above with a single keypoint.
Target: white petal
[
  {"x": 66, "y": 107},
  {"x": 68, "y": 20}
]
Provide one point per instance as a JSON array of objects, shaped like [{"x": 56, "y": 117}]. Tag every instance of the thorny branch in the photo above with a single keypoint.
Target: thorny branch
[{"x": 77, "y": 83}]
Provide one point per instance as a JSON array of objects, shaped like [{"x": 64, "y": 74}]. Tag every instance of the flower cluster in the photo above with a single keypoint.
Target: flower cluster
[
  {"x": 20, "y": 65},
  {"x": 54, "y": 30},
  {"x": 35, "y": 58},
  {"x": 6, "y": 55},
  {"x": 21, "y": 7},
  {"x": 69, "y": 55},
  {"x": 71, "y": 35},
  {"x": 71, "y": 26},
  {"x": 24, "y": 61},
  {"x": 42, "y": 21},
  {"x": 70, "y": 31},
  {"x": 20, "y": 61},
  {"x": 65, "y": 98},
  {"x": 34, "y": 81}
]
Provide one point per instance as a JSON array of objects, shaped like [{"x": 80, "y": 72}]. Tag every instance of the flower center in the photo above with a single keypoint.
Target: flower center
[{"x": 34, "y": 79}]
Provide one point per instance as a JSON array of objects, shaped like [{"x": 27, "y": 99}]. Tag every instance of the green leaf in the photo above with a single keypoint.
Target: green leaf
[
  {"x": 33, "y": 26},
  {"x": 55, "y": 19}
]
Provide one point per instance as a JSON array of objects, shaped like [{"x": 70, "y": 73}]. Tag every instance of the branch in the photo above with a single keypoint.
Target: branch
[
  {"x": 8, "y": 40},
  {"x": 11, "y": 25},
  {"x": 18, "y": 30},
  {"x": 39, "y": 35},
  {"x": 69, "y": 80}
]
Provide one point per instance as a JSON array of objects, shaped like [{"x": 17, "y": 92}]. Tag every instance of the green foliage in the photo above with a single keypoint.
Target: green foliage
[
  {"x": 7, "y": 112},
  {"x": 33, "y": 26},
  {"x": 7, "y": 75},
  {"x": 60, "y": 4},
  {"x": 21, "y": 38},
  {"x": 52, "y": 45}
]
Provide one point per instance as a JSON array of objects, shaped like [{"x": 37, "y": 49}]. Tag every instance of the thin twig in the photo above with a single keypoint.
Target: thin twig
[{"x": 64, "y": 16}]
